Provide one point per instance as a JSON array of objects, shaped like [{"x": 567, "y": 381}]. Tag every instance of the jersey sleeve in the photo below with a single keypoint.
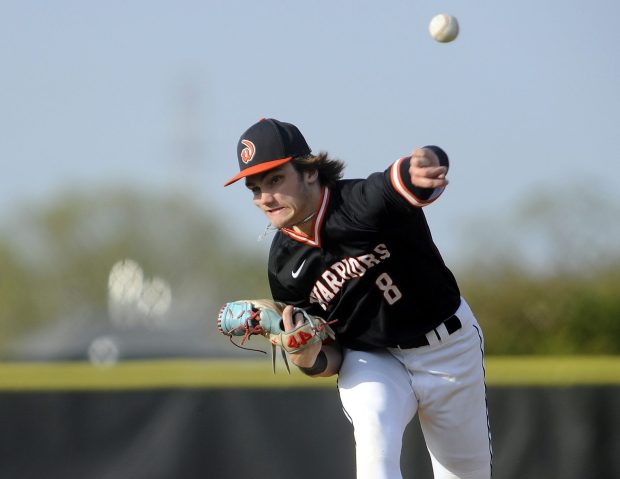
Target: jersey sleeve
[
  {"x": 279, "y": 292},
  {"x": 400, "y": 180},
  {"x": 385, "y": 196}
]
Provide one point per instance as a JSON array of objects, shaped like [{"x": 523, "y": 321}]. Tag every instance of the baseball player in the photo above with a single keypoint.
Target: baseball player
[{"x": 359, "y": 254}]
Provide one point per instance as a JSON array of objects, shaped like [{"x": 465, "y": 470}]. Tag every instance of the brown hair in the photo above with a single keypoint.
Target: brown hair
[{"x": 330, "y": 170}]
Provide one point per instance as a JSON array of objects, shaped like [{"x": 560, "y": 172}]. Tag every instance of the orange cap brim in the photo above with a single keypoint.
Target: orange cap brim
[{"x": 260, "y": 168}]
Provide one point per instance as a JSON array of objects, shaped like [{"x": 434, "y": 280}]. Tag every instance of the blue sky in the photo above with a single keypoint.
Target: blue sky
[{"x": 155, "y": 94}]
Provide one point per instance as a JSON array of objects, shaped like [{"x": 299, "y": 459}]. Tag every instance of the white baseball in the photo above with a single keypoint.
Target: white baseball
[{"x": 444, "y": 28}]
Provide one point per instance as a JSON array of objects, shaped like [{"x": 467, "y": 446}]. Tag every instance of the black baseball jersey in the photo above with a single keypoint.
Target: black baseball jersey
[{"x": 370, "y": 262}]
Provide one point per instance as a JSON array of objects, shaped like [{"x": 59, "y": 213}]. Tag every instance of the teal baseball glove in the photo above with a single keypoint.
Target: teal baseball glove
[{"x": 247, "y": 318}]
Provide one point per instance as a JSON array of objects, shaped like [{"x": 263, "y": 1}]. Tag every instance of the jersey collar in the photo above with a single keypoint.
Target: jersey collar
[{"x": 317, "y": 222}]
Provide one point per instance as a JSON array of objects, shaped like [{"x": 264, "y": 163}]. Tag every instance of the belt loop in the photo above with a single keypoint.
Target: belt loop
[
  {"x": 433, "y": 338},
  {"x": 442, "y": 331}
]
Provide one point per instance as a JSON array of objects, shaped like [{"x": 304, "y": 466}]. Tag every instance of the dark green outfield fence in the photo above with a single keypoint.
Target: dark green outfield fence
[{"x": 550, "y": 418}]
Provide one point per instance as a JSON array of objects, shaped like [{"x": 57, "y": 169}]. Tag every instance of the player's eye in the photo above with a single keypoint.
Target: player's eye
[{"x": 275, "y": 179}]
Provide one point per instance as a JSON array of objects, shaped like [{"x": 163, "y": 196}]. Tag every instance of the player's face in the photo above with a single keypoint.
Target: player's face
[{"x": 283, "y": 195}]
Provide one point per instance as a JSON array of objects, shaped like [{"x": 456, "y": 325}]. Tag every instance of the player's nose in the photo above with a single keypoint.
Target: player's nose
[{"x": 264, "y": 199}]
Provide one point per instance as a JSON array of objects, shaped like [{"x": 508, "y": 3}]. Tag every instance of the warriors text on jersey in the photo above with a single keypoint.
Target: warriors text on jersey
[{"x": 370, "y": 262}]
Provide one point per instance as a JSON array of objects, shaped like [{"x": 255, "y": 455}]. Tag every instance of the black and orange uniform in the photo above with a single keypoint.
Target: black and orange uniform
[{"x": 370, "y": 264}]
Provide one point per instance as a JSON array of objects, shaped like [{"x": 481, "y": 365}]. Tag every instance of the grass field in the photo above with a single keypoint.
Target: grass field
[{"x": 157, "y": 374}]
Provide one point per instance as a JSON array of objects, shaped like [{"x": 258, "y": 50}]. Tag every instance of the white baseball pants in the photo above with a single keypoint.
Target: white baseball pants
[{"x": 381, "y": 391}]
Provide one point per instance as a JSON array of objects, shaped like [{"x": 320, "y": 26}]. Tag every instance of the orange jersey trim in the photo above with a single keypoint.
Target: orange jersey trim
[
  {"x": 399, "y": 186},
  {"x": 315, "y": 239}
]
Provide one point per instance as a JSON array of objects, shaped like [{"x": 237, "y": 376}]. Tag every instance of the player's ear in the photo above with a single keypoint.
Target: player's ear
[{"x": 311, "y": 176}]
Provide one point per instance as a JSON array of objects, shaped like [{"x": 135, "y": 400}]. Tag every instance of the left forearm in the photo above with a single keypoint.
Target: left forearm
[{"x": 326, "y": 364}]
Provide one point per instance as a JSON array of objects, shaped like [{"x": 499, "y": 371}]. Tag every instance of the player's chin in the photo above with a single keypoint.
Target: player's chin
[{"x": 278, "y": 218}]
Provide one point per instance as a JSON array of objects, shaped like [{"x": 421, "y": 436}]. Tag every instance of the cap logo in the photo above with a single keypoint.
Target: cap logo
[{"x": 248, "y": 152}]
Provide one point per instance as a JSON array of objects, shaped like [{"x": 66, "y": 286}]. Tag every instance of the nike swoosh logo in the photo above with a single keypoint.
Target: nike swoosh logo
[{"x": 296, "y": 273}]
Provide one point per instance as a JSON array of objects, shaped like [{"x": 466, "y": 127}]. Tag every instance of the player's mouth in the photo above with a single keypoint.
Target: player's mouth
[{"x": 274, "y": 211}]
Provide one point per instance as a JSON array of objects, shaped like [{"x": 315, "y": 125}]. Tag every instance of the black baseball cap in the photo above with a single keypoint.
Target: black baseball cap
[{"x": 267, "y": 145}]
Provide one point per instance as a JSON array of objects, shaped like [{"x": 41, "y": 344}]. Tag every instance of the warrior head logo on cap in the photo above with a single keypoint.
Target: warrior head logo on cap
[{"x": 248, "y": 152}]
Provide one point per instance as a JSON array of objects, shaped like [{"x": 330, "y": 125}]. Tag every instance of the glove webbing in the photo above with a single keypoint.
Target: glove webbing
[{"x": 249, "y": 330}]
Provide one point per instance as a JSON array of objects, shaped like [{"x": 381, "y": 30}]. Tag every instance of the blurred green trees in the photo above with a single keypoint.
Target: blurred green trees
[
  {"x": 545, "y": 278},
  {"x": 55, "y": 259},
  {"x": 529, "y": 314}
]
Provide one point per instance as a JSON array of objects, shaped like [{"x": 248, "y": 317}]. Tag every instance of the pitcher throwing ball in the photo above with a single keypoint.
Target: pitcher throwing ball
[{"x": 359, "y": 254}]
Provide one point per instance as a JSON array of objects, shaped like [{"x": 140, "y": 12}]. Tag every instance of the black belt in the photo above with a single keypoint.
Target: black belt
[{"x": 452, "y": 324}]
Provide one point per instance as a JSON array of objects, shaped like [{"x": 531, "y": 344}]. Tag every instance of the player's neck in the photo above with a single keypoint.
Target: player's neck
[{"x": 305, "y": 225}]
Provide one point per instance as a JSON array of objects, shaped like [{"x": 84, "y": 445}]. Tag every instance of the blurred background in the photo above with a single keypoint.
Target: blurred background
[{"x": 119, "y": 123}]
